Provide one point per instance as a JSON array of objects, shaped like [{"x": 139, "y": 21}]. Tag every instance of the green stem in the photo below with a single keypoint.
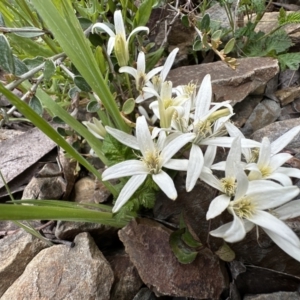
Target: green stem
[{"x": 129, "y": 85}]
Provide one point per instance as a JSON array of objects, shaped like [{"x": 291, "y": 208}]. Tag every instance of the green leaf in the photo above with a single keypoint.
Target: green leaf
[
  {"x": 25, "y": 212},
  {"x": 225, "y": 253},
  {"x": 32, "y": 63},
  {"x": 143, "y": 13},
  {"x": 36, "y": 105},
  {"x": 291, "y": 18},
  {"x": 229, "y": 46},
  {"x": 128, "y": 106},
  {"x": 205, "y": 23},
  {"x": 289, "y": 60},
  {"x": 29, "y": 32},
  {"x": 184, "y": 254},
  {"x": 81, "y": 83},
  {"x": 67, "y": 31},
  {"x": 185, "y": 21},
  {"x": 20, "y": 67},
  {"x": 49, "y": 69},
  {"x": 93, "y": 106},
  {"x": 6, "y": 56}
]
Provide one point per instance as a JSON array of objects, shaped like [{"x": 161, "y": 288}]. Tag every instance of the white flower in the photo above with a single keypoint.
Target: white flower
[
  {"x": 118, "y": 40},
  {"x": 96, "y": 128},
  {"x": 166, "y": 105},
  {"x": 268, "y": 166},
  {"x": 155, "y": 156},
  {"x": 141, "y": 78},
  {"x": 248, "y": 209}
]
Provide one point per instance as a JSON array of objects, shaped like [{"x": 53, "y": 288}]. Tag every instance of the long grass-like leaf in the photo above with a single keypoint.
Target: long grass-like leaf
[
  {"x": 66, "y": 29},
  {"x": 27, "y": 212}
]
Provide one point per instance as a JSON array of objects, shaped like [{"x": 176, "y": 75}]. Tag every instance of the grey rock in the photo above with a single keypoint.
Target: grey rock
[
  {"x": 250, "y": 77},
  {"x": 274, "y": 296},
  {"x": 16, "y": 251},
  {"x": 145, "y": 294},
  {"x": 275, "y": 130},
  {"x": 265, "y": 113},
  {"x": 61, "y": 272}
]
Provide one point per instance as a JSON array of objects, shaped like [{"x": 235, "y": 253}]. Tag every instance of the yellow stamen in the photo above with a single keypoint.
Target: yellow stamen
[
  {"x": 244, "y": 207},
  {"x": 229, "y": 186}
]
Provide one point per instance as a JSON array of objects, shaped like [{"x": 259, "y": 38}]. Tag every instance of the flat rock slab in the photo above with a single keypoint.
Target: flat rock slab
[
  {"x": 18, "y": 154},
  {"x": 147, "y": 243},
  {"x": 250, "y": 77},
  {"x": 61, "y": 272}
]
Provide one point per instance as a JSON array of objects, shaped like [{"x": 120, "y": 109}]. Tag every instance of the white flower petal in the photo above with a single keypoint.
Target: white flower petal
[
  {"x": 291, "y": 172},
  {"x": 125, "y": 168},
  {"x": 234, "y": 156},
  {"x": 284, "y": 140},
  {"x": 173, "y": 146},
  {"x": 141, "y": 63},
  {"x": 177, "y": 164},
  {"x": 153, "y": 72},
  {"x": 231, "y": 232},
  {"x": 195, "y": 165},
  {"x": 119, "y": 24},
  {"x": 136, "y": 30},
  {"x": 222, "y": 141},
  {"x": 210, "y": 155},
  {"x": 128, "y": 190},
  {"x": 124, "y": 138},
  {"x": 104, "y": 27},
  {"x": 282, "y": 243},
  {"x": 166, "y": 184},
  {"x": 271, "y": 223},
  {"x": 203, "y": 98},
  {"x": 211, "y": 180},
  {"x": 132, "y": 71},
  {"x": 266, "y": 194},
  {"x": 281, "y": 178},
  {"x": 143, "y": 136},
  {"x": 288, "y": 211},
  {"x": 110, "y": 45},
  {"x": 278, "y": 160},
  {"x": 242, "y": 182},
  {"x": 168, "y": 64},
  {"x": 264, "y": 153},
  {"x": 217, "y": 206}
]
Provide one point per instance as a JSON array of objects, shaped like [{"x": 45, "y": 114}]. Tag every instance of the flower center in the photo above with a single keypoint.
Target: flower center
[
  {"x": 152, "y": 160},
  {"x": 244, "y": 207},
  {"x": 189, "y": 89},
  {"x": 202, "y": 130},
  {"x": 265, "y": 171},
  {"x": 156, "y": 80},
  {"x": 141, "y": 82},
  {"x": 229, "y": 186},
  {"x": 167, "y": 102},
  {"x": 254, "y": 155}
]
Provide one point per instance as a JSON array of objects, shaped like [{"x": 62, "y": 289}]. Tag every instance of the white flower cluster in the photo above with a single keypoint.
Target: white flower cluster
[{"x": 255, "y": 189}]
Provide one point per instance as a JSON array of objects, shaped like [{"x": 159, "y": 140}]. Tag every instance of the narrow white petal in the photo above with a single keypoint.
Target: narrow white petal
[
  {"x": 247, "y": 143},
  {"x": 242, "y": 182},
  {"x": 166, "y": 184},
  {"x": 136, "y": 30},
  {"x": 110, "y": 45},
  {"x": 177, "y": 164},
  {"x": 124, "y": 138},
  {"x": 266, "y": 194},
  {"x": 210, "y": 155},
  {"x": 119, "y": 24},
  {"x": 271, "y": 223},
  {"x": 129, "y": 70},
  {"x": 104, "y": 27},
  {"x": 288, "y": 211},
  {"x": 282, "y": 243},
  {"x": 173, "y": 146},
  {"x": 153, "y": 72},
  {"x": 279, "y": 159},
  {"x": 234, "y": 156},
  {"x": 203, "y": 98},
  {"x": 217, "y": 206},
  {"x": 231, "y": 232},
  {"x": 166, "y": 90},
  {"x": 143, "y": 96},
  {"x": 222, "y": 141},
  {"x": 125, "y": 168},
  {"x": 195, "y": 165},
  {"x": 143, "y": 136},
  {"x": 219, "y": 166},
  {"x": 141, "y": 63},
  {"x": 291, "y": 172},
  {"x": 128, "y": 190},
  {"x": 211, "y": 180},
  {"x": 168, "y": 64},
  {"x": 264, "y": 153},
  {"x": 281, "y": 178},
  {"x": 284, "y": 140}
]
